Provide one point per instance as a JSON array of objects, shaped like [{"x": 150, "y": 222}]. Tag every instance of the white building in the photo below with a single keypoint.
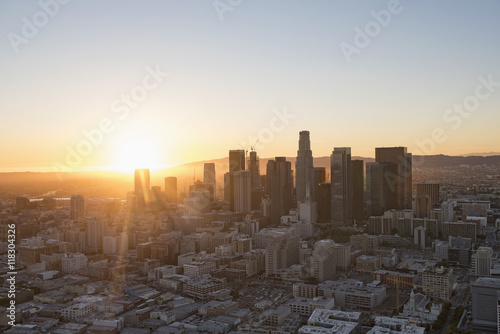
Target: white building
[
  {"x": 322, "y": 260},
  {"x": 72, "y": 262}
]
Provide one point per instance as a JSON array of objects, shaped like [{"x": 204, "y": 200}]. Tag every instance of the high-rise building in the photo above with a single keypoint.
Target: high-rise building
[
  {"x": 324, "y": 202},
  {"x": 429, "y": 189},
  {"x": 484, "y": 293},
  {"x": 374, "y": 189},
  {"x": 319, "y": 177},
  {"x": 481, "y": 261},
  {"x": 209, "y": 177},
  {"x": 255, "y": 177},
  {"x": 77, "y": 207},
  {"x": 171, "y": 189},
  {"x": 341, "y": 183},
  {"x": 282, "y": 251},
  {"x": 279, "y": 184},
  {"x": 358, "y": 190},
  {"x": 419, "y": 237},
  {"x": 427, "y": 199},
  {"x": 142, "y": 181},
  {"x": 242, "y": 191},
  {"x": 236, "y": 163},
  {"x": 304, "y": 168},
  {"x": 322, "y": 260},
  {"x": 227, "y": 186},
  {"x": 253, "y": 167},
  {"x": 399, "y": 181},
  {"x": 438, "y": 283},
  {"x": 95, "y": 232}
]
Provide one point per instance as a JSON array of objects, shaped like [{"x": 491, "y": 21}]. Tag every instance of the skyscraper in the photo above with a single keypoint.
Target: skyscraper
[
  {"x": 253, "y": 167},
  {"x": 304, "y": 168},
  {"x": 279, "y": 186},
  {"x": 399, "y": 181},
  {"x": 242, "y": 191},
  {"x": 209, "y": 177},
  {"x": 77, "y": 207},
  {"x": 374, "y": 189},
  {"x": 341, "y": 183},
  {"x": 358, "y": 190},
  {"x": 171, "y": 189},
  {"x": 427, "y": 198},
  {"x": 236, "y": 163},
  {"x": 322, "y": 260},
  {"x": 95, "y": 232}
]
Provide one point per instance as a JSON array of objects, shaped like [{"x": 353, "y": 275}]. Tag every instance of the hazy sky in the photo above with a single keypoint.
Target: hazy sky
[{"x": 232, "y": 66}]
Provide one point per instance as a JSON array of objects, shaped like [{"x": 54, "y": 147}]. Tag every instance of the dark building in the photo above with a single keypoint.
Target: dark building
[
  {"x": 380, "y": 186},
  {"x": 427, "y": 198},
  {"x": 279, "y": 186},
  {"x": 236, "y": 164},
  {"x": 341, "y": 181},
  {"x": 319, "y": 177},
  {"x": 77, "y": 207},
  {"x": 358, "y": 190},
  {"x": 171, "y": 189},
  {"x": 398, "y": 175},
  {"x": 324, "y": 203}
]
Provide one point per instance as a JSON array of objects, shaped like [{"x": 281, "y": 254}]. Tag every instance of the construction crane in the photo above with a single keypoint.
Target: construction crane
[{"x": 252, "y": 148}]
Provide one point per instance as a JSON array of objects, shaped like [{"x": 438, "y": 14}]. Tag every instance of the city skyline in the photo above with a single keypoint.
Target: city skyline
[{"x": 205, "y": 72}]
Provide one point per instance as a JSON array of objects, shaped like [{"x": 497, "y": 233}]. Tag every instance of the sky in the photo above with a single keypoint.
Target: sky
[{"x": 129, "y": 84}]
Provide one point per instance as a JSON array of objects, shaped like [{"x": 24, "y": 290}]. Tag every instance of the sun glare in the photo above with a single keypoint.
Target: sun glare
[{"x": 137, "y": 152}]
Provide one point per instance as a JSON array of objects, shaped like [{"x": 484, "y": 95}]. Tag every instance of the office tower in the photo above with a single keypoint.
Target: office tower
[
  {"x": 282, "y": 251},
  {"x": 319, "y": 177},
  {"x": 482, "y": 260},
  {"x": 304, "y": 168},
  {"x": 242, "y": 191},
  {"x": 256, "y": 185},
  {"x": 358, "y": 190},
  {"x": 253, "y": 167},
  {"x": 419, "y": 237},
  {"x": 95, "y": 232},
  {"x": 279, "y": 184},
  {"x": 322, "y": 260},
  {"x": 380, "y": 198},
  {"x": 484, "y": 292},
  {"x": 227, "y": 186},
  {"x": 141, "y": 181},
  {"x": 77, "y": 207},
  {"x": 236, "y": 163},
  {"x": 429, "y": 189},
  {"x": 171, "y": 189},
  {"x": 399, "y": 180},
  {"x": 342, "y": 256},
  {"x": 209, "y": 177},
  {"x": 324, "y": 204},
  {"x": 341, "y": 182}
]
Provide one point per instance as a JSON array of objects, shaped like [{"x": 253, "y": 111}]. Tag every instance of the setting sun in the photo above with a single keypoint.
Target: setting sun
[{"x": 137, "y": 152}]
